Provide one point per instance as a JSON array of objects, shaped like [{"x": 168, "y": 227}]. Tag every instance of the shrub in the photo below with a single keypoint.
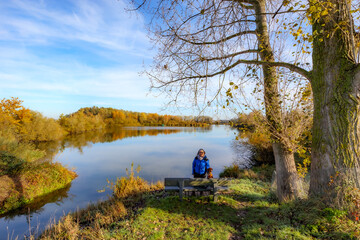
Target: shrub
[
  {"x": 22, "y": 150},
  {"x": 41, "y": 128},
  {"x": 263, "y": 172},
  {"x": 132, "y": 186}
]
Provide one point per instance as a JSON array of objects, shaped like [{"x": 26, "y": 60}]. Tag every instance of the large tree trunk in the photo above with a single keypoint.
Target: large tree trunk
[
  {"x": 289, "y": 185},
  {"x": 288, "y": 182},
  {"x": 336, "y": 85}
]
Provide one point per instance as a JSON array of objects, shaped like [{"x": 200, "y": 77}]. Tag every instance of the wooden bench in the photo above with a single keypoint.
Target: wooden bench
[{"x": 182, "y": 185}]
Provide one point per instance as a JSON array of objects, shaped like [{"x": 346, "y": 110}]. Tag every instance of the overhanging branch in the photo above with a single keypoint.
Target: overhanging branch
[
  {"x": 218, "y": 41},
  {"x": 292, "y": 67},
  {"x": 230, "y": 55},
  {"x": 218, "y": 26}
]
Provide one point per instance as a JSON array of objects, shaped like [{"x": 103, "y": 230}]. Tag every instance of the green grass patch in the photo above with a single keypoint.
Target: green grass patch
[
  {"x": 29, "y": 181},
  {"x": 263, "y": 172},
  {"x": 248, "y": 211},
  {"x": 171, "y": 219}
]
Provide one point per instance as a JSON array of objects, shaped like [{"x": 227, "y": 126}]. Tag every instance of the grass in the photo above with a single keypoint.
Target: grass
[
  {"x": 263, "y": 172},
  {"x": 248, "y": 211},
  {"x": 26, "y": 182},
  {"x": 168, "y": 219}
]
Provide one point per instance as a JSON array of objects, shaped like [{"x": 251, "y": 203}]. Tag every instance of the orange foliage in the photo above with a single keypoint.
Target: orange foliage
[
  {"x": 13, "y": 113},
  {"x": 118, "y": 115}
]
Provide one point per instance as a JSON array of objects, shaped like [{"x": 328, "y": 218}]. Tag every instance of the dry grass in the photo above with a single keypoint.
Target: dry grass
[
  {"x": 92, "y": 222},
  {"x": 131, "y": 186},
  {"x": 87, "y": 223},
  {"x": 263, "y": 172}
]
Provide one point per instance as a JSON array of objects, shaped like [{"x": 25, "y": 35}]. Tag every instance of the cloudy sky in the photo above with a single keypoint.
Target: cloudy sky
[{"x": 59, "y": 56}]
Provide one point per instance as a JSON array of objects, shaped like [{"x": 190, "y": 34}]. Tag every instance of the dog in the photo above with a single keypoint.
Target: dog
[{"x": 210, "y": 175}]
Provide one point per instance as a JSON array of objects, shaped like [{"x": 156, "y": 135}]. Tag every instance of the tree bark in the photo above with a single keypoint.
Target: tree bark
[
  {"x": 336, "y": 85},
  {"x": 288, "y": 182}
]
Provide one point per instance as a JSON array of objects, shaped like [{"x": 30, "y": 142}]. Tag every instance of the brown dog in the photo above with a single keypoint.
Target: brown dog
[{"x": 210, "y": 175}]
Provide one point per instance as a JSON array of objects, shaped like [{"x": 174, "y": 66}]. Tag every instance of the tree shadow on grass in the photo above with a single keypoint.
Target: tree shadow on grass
[
  {"x": 266, "y": 218},
  {"x": 197, "y": 210},
  {"x": 250, "y": 197},
  {"x": 12, "y": 193},
  {"x": 256, "y": 216}
]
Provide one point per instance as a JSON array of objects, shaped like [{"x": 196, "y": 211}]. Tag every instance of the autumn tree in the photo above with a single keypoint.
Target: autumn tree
[
  {"x": 118, "y": 117},
  {"x": 142, "y": 118},
  {"x": 335, "y": 81},
  {"x": 14, "y": 114},
  {"x": 14, "y": 118},
  {"x": 40, "y": 128}
]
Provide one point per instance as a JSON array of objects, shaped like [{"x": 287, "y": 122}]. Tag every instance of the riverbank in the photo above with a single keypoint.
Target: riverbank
[
  {"x": 248, "y": 211},
  {"x": 31, "y": 181}
]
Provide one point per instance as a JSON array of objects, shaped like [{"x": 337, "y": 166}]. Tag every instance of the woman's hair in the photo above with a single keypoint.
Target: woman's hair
[{"x": 201, "y": 150}]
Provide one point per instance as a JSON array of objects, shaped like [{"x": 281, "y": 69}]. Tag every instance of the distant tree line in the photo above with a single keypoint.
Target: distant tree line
[
  {"x": 90, "y": 118},
  {"x": 19, "y": 124}
]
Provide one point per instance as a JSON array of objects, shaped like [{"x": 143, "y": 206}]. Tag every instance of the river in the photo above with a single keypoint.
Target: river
[{"x": 97, "y": 156}]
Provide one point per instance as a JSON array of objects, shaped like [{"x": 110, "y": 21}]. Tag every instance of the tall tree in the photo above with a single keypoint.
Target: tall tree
[
  {"x": 288, "y": 182},
  {"x": 207, "y": 41},
  {"x": 336, "y": 87},
  {"x": 200, "y": 41}
]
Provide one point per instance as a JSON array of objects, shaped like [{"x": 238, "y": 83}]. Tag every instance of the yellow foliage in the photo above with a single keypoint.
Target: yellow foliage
[
  {"x": 41, "y": 128},
  {"x": 13, "y": 114},
  {"x": 260, "y": 139},
  {"x": 303, "y": 168}
]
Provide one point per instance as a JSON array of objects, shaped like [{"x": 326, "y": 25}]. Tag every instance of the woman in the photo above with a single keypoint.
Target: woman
[{"x": 200, "y": 164}]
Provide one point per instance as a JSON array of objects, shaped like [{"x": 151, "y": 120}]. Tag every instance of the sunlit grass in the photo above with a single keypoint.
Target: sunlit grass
[
  {"x": 171, "y": 219},
  {"x": 265, "y": 218},
  {"x": 263, "y": 172},
  {"x": 31, "y": 181},
  {"x": 248, "y": 211}
]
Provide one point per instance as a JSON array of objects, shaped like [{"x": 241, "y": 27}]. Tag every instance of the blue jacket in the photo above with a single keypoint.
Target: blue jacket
[{"x": 200, "y": 166}]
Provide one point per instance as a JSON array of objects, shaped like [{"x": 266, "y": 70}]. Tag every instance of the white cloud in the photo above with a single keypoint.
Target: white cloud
[
  {"x": 81, "y": 48},
  {"x": 76, "y": 78},
  {"x": 105, "y": 24},
  {"x": 77, "y": 53}
]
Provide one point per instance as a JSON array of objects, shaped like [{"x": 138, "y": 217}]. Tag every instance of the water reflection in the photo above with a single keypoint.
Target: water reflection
[
  {"x": 79, "y": 141},
  {"x": 36, "y": 207},
  {"x": 243, "y": 153}
]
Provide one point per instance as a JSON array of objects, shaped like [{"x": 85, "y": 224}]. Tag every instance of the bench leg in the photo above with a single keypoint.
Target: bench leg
[
  {"x": 215, "y": 195},
  {"x": 181, "y": 186}
]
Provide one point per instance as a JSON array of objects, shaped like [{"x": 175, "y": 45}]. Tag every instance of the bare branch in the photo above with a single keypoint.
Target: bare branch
[
  {"x": 277, "y": 11},
  {"x": 219, "y": 41},
  {"x": 138, "y": 7},
  {"x": 219, "y": 26},
  {"x": 231, "y": 55},
  {"x": 289, "y": 66},
  {"x": 292, "y": 67},
  {"x": 244, "y": 1}
]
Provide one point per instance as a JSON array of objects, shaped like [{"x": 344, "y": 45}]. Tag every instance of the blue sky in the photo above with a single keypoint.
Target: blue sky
[{"x": 60, "y": 55}]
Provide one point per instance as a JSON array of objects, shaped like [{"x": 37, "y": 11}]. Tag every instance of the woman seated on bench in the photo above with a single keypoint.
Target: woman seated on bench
[{"x": 200, "y": 164}]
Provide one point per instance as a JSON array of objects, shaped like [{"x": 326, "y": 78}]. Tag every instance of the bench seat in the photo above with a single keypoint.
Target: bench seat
[{"x": 182, "y": 185}]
